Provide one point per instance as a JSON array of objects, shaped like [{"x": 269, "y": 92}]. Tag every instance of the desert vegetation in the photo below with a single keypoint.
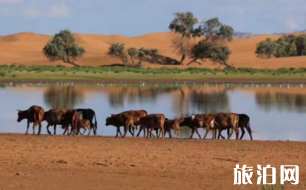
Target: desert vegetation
[
  {"x": 21, "y": 71},
  {"x": 199, "y": 43},
  {"x": 285, "y": 46},
  {"x": 63, "y": 47}
]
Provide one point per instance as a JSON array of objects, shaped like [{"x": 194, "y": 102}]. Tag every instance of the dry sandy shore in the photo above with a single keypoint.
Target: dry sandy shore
[{"x": 57, "y": 162}]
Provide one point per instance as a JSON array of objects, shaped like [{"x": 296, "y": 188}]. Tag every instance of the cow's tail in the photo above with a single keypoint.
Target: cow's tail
[
  {"x": 96, "y": 125},
  {"x": 248, "y": 127}
]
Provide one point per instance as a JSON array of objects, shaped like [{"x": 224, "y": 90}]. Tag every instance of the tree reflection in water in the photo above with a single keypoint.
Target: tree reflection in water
[
  {"x": 63, "y": 97},
  {"x": 185, "y": 100},
  {"x": 281, "y": 101}
]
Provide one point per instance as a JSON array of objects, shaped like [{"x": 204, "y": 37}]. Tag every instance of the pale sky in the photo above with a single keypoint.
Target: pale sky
[{"x": 137, "y": 17}]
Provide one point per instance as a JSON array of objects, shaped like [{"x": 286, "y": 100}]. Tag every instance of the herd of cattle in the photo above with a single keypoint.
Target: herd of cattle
[{"x": 132, "y": 120}]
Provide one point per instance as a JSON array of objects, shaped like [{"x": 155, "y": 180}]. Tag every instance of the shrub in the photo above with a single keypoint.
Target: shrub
[{"x": 2, "y": 74}]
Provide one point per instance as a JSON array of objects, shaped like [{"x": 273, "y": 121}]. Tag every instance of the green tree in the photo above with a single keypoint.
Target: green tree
[
  {"x": 118, "y": 50},
  {"x": 217, "y": 53},
  {"x": 214, "y": 34},
  {"x": 145, "y": 53},
  {"x": 266, "y": 48},
  {"x": 141, "y": 56},
  {"x": 133, "y": 52},
  {"x": 183, "y": 23},
  {"x": 63, "y": 47},
  {"x": 214, "y": 31},
  {"x": 301, "y": 44}
]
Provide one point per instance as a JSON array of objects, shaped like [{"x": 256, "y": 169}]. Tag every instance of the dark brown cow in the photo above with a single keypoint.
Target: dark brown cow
[
  {"x": 71, "y": 117},
  {"x": 227, "y": 121},
  {"x": 172, "y": 124},
  {"x": 151, "y": 122},
  {"x": 34, "y": 115},
  {"x": 122, "y": 119},
  {"x": 199, "y": 121},
  {"x": 54, "y": 117}
]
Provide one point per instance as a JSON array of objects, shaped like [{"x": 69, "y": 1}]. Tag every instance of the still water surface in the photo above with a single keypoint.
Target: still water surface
[{"x": 276, "y": 112}]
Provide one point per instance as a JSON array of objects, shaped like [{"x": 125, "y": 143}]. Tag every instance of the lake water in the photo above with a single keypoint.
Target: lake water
[{"x": 277, "y": 112}]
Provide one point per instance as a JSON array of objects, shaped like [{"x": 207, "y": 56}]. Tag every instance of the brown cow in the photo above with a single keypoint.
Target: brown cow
[
  {"x": 137, "y": 115},
  {"x": 54, "y": 117},
  {"x": 227, "y": 121},
  {"x": 122, "y": 119},
  {"x": 244, "y": 123},
  {"x": 84, "y": 124},
  {"x": 34, "y": 115},
  {"x": 172, "y": 124},
  {"x": 71, "y": 117},
  {"x": 199, "y": 121},
  {"x": 151, "y": 122}
]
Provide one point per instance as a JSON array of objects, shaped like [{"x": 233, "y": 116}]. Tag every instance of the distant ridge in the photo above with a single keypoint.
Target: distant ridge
[{"x": 243, "y": 35}]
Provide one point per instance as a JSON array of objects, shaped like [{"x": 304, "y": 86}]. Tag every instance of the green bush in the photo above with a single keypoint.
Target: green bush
[{"x": 2, "y": 74}]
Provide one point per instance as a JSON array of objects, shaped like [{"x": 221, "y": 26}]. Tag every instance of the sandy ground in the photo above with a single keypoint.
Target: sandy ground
[
  {"x": 57, "y": 162},
  {"x": 26, "y": 48}
]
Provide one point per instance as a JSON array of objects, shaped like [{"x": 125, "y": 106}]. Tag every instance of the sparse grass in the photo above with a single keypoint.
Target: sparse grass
[{"x": 91, "y": 73}]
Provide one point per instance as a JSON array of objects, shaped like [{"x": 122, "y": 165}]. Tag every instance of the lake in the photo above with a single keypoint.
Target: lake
[{"x": 277, "y": 112}]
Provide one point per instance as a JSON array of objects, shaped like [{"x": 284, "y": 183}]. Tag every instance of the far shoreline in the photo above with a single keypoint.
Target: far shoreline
[{"x": 237, "y": 81}]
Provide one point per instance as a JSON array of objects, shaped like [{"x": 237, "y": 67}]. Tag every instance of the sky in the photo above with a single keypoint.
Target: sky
[{"x": 138, "y": 17}]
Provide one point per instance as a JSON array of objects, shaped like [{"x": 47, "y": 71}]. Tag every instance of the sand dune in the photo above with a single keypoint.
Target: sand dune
[{"x": 26, "y": 48}]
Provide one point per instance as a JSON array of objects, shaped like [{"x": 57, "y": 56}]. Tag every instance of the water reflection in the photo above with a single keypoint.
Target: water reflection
[
  {"x": 276, "y": 113},
  {"x": 63, "y": 97},
  {"x": 186, "y": 100},
  {"x": 281, "y": 101}
]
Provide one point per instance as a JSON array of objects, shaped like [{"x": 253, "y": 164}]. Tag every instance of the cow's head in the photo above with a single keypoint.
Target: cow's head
[
  {"x": 21, "y": 115},
  {"x": 110, "y": 120}
]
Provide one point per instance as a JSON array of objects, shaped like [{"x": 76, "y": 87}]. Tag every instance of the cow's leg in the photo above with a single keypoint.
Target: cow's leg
[
  {"x": 232, "y": 131},
  {"x": 192, "y": 133},
  {"x": 207, "y": 131},
  {"x": 197, "y": 131},
  {"x": 89, "y": 131},
  {"x": 219, "y": 133},
  {"x": 39, "y": 128},
  {"x": 68, "y": 130},
  {"x": 126, "y": 129},
  {"x": 34, "y": 125},
  {"x": 48, "y": 129},
  {"x": 64, "y": 127},
  {"x": 120, "y": 132},
  {"x": 131, "y": 131},
  {"x": 250, "y": 132},
  {"x": 54, "y": 129},
  {"x": 170, "y": 135},
  {"x": 178, "y": 133},
  {"x": 140, "y": 129},
  {"x": 145, "y": 131},
  {"x": 84, "y": 131},
  {"x": 28, "y": 126},
  {"x": 214, "y": 131},
  {"x": 117, "y": 132},
  {"x": 237, "y": 133},
  {"x": 163, "y": 131},
  {"x": 152, "y": 132}
]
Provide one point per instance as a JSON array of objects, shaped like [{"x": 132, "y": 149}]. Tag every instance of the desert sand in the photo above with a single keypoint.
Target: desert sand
[
  {"x": 26, "y": 48},
  {"x": 58, "y": 162}
]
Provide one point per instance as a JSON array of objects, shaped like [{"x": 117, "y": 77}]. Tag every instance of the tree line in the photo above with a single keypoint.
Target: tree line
[
  {"x": 285, "y": 46},
  {"x": 212, "y": 34}
]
